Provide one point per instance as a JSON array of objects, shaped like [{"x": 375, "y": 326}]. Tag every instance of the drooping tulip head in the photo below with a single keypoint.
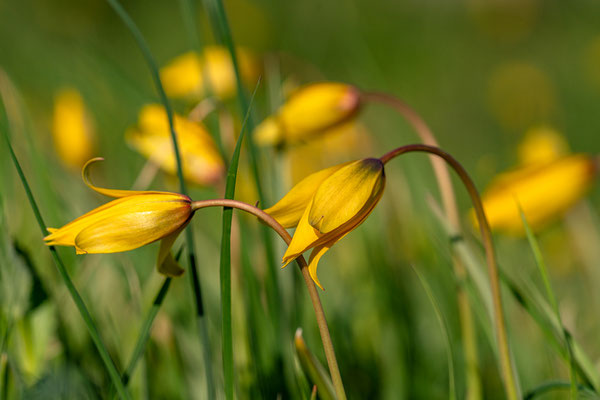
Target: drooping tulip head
[
  {"x": 202, "y": 162},
  {"x": 328, "y": 205},
  {"x": 185, "y": 76},
  {"x": 134, "y": 219},
  {"x": 72, "y": 129},
  {"x": 312, "y": 109},
  {"x": 544, "y": 192}
]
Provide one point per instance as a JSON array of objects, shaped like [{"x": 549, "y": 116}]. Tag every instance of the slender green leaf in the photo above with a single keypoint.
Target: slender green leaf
[
  {"x": 541, "y": 264},
  {"x": 225, "y": 263},
  {"x": 556, "y": 385},
  {"x": 444, "y": 329},
  {"x": 220, "y": 25}
]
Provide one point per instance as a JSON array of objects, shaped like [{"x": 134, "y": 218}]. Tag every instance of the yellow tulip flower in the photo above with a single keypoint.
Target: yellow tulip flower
[
  {"x": 185, "y": 75},
  {"x": 327, "y": 205},
  {"x": 202, "y": 162},
  {"x": 134, "y": 219},
  {"x": 541, "y": 145},
  {"x": 310, "y": 110},
  {"x": 543, "y": 191},
  {"x": 71, "y": 129}
]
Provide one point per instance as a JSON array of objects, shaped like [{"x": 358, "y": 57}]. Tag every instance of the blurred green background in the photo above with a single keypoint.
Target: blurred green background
[{"x": 481, "y": 73}]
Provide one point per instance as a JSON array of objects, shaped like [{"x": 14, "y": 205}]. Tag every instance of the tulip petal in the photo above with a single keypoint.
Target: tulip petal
[
  {"x": 108, "y": 192},
  {"x": 133, "y": 222},
  {"x": 290, "y": 208},
  {"x": 544, "y": 192},
  {"x": 165, "y": 263},
  {"x": 315, "y": 256},
  {"x": 345, "y": 193}
]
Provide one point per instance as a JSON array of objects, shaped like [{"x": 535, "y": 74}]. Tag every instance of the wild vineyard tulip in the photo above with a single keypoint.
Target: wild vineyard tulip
[
  {"x": 328, "y": 205},
  {"x": 202, "y": 163},
  {"x": 72, "y": 129},
  {"x": 310, "y": 110},
  {"x": 185, "y": 76},
  {"x": 543, "y": 191},
  {"x": 134, "y": 219}
]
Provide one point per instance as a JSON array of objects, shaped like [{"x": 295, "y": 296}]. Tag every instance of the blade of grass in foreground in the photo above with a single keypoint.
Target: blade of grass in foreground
[
  {"x": 220, "y": 25},
  {"x": 195, "y": 280},
  {"x": 145, "y": 331},
  {"x": 81, "y": 307},
  {"x": 225, "y": 263},
  {"x": 550, "y": 386},
  {"x": 539, "y": 260},
  {"x": 444, "y": 329}
]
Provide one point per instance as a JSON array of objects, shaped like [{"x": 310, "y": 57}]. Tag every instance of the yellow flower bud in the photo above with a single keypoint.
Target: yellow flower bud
[
  {"x": 185, "y": 75},
  {"x": 202, "y": 162},
  {"x": 541, "y": 145},
  {"x": 71, "y": 128},
  {"x": 543, "y": 191},
  {"x": 328, "y": 205},
  {"x": 134, "y": 219},
  {"x": 310, "y": 110}
]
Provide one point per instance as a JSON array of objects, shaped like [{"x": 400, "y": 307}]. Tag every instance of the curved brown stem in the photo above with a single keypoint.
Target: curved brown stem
[
  {"x": 312, "y": 290},
  {"x": 501, "y": 336},
  {"x": 439, "y": 167},
  {"x": 448, "y": 197}
]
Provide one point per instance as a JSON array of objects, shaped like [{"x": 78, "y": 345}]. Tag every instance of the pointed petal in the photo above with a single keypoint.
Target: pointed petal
[
  {"x": 313, "y": 261},
  {"x": 107, "y": 192},
  {"x": 290, "y": 208},
  {"x": 304, "y": 238},
  {"x": 167, "y": 243},
  {"x": 345, "y": 193},
  {"x": 170, "y": 267}
]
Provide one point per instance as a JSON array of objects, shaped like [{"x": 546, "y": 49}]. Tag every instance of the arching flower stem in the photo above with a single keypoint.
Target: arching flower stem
[
  {"x": 312, "y": 290},
  {"x": 448, "y": 197},
  {"x": 500, "y": 327}
]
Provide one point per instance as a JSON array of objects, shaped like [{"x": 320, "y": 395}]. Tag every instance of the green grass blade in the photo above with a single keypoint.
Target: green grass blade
[
  {"x": 194, "y": 278},
  {"x": 146, "y": 328},
  {"x": 81, "y": 307},
  {"x": 541, "y": 264},
  {"x": 444, "y": 329},
  {"x": 225, "y": 263},
  {"x": 556, "y": 385},
  {"x": 218, "y": 18}
]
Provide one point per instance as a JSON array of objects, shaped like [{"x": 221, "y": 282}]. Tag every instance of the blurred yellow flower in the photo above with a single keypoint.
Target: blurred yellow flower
[
  {"x": 328, "y": 205},
  {"x": 135, "y": 219},
  {"x": 72, "y": 129},
  {"x": 543, "y": 191},
  {"x": 312, "y": 109},
  {"x": 520, "y": 95},
  {"x": 541, "y": 144},
  {"x": 202, "y": 162},
  {"x": 185, "y": 75}
]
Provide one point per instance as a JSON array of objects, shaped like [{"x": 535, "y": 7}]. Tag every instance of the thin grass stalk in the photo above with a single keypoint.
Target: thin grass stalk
[
  {"x": 541, "y": 264},
  {"x": 506, "y": 362},
  {"x": 448, "y": 197},
  {"x": 194, "y": 277},
  {"x": 312, "y": 289},
  {"x": 225, "y": 262},
  {"x": 77, "y": 299},
  {"x": 552, "y": 386},
  {"x": 145, "y": 331},
  {"x": 222, "y": 31},
  {"x": 444, "y": 329}
]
